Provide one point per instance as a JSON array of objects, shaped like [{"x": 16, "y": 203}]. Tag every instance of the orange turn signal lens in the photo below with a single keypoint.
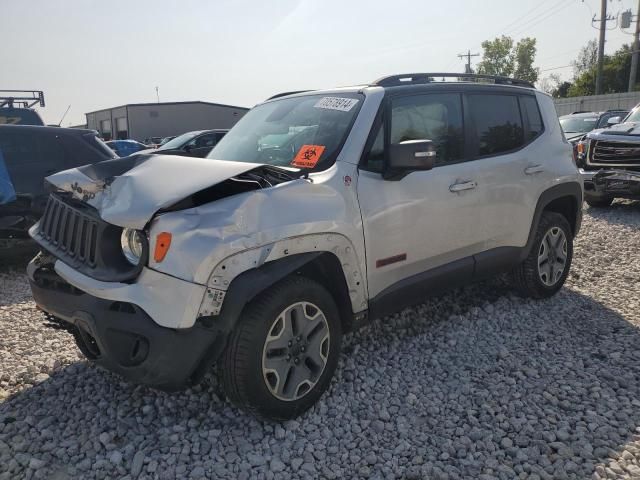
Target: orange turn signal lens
[
  {"x": 581, "y": 148},
  {"x": 163, "y": 242}
]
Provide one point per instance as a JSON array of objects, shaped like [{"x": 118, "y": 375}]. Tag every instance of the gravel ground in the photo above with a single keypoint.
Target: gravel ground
[{"x": 476, "y": 384}]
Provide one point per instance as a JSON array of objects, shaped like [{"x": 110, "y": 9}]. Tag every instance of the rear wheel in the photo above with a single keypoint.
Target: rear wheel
[
  {"x": 598, "y": 202},
  {"x": 545, "y": 269},
  {"x": 282, "y": 354}
]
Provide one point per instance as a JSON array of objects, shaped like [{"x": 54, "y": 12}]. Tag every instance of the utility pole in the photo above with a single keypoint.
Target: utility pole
[
  {"x": 634, "y": 55},
  {"x": 157, "y": 94},
  {"x": 467, "y": 68},
  {"x": 603, "y": 29}
]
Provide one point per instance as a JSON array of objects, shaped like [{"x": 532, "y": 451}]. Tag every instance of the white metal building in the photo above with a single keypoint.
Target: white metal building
[{"x": 140, "y": 121}]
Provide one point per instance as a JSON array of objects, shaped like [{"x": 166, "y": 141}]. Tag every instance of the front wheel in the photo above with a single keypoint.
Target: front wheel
[
  {"x": 546, "y": 268},
  {"x": 282, "y": 354}
]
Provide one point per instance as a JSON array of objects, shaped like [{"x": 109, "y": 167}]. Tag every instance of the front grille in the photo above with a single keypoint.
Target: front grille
[
  {"x": 69, "y": 232},
  {"x": 73, "y": 232},
  {"x": 614, "y": 153}
]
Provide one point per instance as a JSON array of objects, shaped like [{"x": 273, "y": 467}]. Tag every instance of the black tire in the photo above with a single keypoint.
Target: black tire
[
  {"x": 241, "y": 366},
  {"x": 598, "y": 202},
  {"x": 526, "y": 276}
]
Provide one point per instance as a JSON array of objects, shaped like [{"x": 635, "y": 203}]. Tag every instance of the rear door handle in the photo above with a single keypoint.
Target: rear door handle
[
  {"x": 533, "y": 169},
  {"x": 459, "y": 187}
]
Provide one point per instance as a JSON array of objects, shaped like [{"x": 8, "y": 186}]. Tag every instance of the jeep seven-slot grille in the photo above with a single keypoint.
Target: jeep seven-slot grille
[
  {"x": 69, "y": 231},
  {"x": 615, "y": 153}
]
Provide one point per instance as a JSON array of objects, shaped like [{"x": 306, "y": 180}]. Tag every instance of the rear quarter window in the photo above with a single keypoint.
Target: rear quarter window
[{"x": 532, "y": 119}]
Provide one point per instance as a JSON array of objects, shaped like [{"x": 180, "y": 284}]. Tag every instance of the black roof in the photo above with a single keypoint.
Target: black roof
[{"x": 151, "y": 104}]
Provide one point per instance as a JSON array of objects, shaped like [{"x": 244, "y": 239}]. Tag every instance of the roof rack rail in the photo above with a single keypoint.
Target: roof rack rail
[
  {"x": 284, "y": 94},
  {"x": 420, "y": 78},
  {"x": 28, "y": 98}
]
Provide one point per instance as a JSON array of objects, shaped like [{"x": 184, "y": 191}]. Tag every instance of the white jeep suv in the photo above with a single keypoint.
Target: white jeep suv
[{"x": 318, "y": 212}]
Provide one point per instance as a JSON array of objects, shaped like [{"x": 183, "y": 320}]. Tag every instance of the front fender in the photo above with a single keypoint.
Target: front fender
[{"x": 299, "y": 247}]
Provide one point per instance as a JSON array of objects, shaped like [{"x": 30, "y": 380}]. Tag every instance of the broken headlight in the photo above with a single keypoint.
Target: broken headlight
[{"x": 132, "y": 242}]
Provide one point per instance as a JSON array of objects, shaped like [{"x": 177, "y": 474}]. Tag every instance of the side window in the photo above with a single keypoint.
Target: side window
[
  {"x": 53, "y": 154},
  {"x": 19, "y": 149},
  {"x": 531, "y": 114},
  {"x": 206, "y": 141},
  {"x": 435, "y": 117},
  {"x": 496, "y": 124}
]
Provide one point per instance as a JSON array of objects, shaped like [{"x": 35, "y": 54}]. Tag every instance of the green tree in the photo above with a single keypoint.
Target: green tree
[
  {"x": 615, "y": 74},
  {"x": 501, "y": 56},
  {"x": 587, "y": 59},
  {"x": 525, "y": 54}
]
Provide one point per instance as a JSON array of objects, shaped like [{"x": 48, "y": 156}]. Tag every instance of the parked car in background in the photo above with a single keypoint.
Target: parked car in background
[
  {"x": 19, "y": 116},
  {"x": 28, "y": 154},
  {"x": 260, "y": 260},
  {"x": 15, "y": 107},
  {"x": 152, "y": 141},
  {"x": 190, "y": 144},
  {"x": 125, "y": 148},
  {"x": 577, "y": 124},
  {"x": 166, "y": 139},
  {"x": 609, "y": 161}
]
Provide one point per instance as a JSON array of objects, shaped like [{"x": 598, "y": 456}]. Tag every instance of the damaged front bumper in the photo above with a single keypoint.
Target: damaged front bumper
[
  {"x": 122, "y": 336},
  {"x": 611, "y": 183}
]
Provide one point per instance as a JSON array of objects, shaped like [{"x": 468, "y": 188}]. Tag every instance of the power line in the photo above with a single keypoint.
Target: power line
[
  {"x": 517, "y": 20},
  {"x": 538, "y": 19},
  {"x": 555, "y": 68}
]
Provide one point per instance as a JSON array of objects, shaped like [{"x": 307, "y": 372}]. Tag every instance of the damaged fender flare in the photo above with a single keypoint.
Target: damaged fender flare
[
  {"x": 226, "y": 270},
  {"x": 246, "y": 286}
]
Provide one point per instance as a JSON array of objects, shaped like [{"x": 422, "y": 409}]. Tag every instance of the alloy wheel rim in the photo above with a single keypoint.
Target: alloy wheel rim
[
  {"x": 552, "y": 256},
  {"x": 295, "y": 351}
]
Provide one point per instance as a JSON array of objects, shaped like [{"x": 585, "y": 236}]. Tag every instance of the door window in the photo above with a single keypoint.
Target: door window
[
  {"x": 435, "y": 117},
  {"x": 496, "y": 123},
  {"x": 205, "y": 141}
]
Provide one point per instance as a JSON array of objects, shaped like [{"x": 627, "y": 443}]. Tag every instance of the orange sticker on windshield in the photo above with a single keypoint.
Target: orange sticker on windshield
[{"x": 308, "y": 156}]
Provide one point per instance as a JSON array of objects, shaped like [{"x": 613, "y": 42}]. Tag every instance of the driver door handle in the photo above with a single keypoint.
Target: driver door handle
[
  {"x": 459, "y": 187},
  {"x": 533, "y": 169}
]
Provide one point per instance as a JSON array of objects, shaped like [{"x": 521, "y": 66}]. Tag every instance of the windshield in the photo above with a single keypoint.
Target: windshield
[
  {"x": 571, "y": 124},
  {"x": 303, "y": 132},
  {"x": 634, "y": 116},
  {"x": 178, "y": 141}
]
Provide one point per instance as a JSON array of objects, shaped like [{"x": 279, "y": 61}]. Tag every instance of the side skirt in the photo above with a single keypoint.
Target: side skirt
[{"x": 415, "y": 289}]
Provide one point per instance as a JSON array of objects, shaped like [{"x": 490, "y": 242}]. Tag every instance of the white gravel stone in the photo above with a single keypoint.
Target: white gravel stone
[{"x": 478, "y": 383}]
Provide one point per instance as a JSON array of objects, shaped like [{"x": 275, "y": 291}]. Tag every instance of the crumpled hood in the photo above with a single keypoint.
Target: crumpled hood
[{"x": 127, "y": 192}]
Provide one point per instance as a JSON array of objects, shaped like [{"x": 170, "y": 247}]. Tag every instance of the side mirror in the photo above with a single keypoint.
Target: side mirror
[
  {"x": 614, "y": 120},
  {"x": 187, "y": 148},
  {"x": 409, "y": 156}
]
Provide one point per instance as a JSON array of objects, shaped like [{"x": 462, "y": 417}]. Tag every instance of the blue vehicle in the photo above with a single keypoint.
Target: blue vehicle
[{"x": 124, "y": 148}]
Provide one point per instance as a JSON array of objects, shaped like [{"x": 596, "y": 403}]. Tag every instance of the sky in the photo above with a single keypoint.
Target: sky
[{"x": 98, "y": 54}]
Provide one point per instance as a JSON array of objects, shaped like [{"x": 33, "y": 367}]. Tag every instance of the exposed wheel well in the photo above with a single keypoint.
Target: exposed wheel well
[
  {"x": 567, "y": 207},
  {"x": 327, "y": 270}
]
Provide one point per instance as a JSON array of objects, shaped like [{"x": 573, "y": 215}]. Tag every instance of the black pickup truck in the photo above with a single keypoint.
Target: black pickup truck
[{"x": 609, "y": 161}]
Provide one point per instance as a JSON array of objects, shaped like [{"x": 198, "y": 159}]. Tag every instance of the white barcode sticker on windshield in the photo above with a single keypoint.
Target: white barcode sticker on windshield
[{"x": 336, "y": 103}]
